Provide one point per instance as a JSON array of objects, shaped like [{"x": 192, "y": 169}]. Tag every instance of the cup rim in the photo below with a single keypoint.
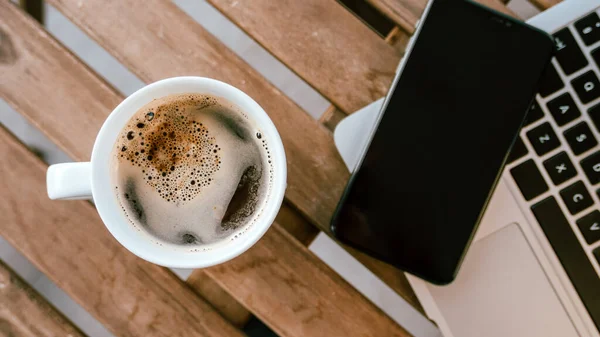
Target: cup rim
[{"x": 106, "y": 200}]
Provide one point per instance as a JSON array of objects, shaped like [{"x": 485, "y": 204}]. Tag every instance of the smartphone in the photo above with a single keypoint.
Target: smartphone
[{"x": 441, "y": 142}]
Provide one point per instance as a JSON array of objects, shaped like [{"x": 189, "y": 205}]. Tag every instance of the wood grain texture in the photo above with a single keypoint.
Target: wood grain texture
[
  {"x": 50, "y": 86},
  {"x": 544, "y": 4},
  {"x": 158, "y": 40},
  {"x": 24, "y": 313},
  {"x": 70, "y": 84},
  {"x": 323, "y": 43},
  {"x": 67, "y": 241},
  {"x": 223, "y": 302},
  {"x": 272, "y": 282},
  {"x": 406, "y": 13},
  {"x": 396, "y": 38}
]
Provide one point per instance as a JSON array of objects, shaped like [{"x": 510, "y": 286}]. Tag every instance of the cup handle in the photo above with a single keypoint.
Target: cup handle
[{"x": 69, "y": 181}]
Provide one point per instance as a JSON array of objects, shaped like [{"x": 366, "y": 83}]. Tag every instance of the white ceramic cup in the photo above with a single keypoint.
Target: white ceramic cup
[{"x": 92, "y": 180}]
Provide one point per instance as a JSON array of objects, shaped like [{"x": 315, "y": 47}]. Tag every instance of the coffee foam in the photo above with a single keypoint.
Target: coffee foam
[{"x": 191, "y": 170}]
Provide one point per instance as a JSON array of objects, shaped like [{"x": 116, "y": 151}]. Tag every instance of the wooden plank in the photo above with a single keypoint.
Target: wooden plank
[
  {"x": 174, "y": 45},
  {"x": 23, "y": 312},
  {"x": 406, "y": 13},
  {"x": 296, "y": 294},
  {"x": 223, "y": 302},
  {"x": 544, "y": 4},
  {"x": 36, "y": 58},
  {"x": 39, "y": 75},
  {"x": 68, "y": 242},
  {"x": 323, "y": 43}
]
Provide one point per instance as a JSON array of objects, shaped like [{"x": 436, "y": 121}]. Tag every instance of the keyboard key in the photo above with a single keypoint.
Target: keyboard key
[
  {"x": 596, "y": 56},
  {"x": 568, "y": 54},
  {"x": 594, "y": 113},
  {"x": 563, "y": 109},
  {"x": 543, "y": 139},
  {"x": 589, "y": 226},
  {"x": 550, "y": 82},
  {"x": 591, "y": 167},
  {"x": 589, "y": 29},
  {"x": 576, "y": 197},
  {"x": 587, "y": 87},
  {"x": 529, "y": 179},
  {"x": 571, "y": 255},
  {"x": 580, "y": 138},
  {"x": 517, "y": 151},
  {"x": 534, "y": 113},
  {"x": 560, "y": 168}
]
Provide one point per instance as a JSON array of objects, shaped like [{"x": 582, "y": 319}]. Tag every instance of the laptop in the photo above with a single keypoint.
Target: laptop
[{"x": 533, "y": 268}]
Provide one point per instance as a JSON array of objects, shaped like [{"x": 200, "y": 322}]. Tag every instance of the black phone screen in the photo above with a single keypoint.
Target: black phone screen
[{"x": 439, "y": 149}]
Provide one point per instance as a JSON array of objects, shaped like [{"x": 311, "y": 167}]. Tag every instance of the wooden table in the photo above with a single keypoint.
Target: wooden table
[{"x": 279, "y": 280}]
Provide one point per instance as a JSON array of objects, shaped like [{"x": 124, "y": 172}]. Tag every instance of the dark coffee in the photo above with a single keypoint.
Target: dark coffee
[{"x": 191, "y": 169}]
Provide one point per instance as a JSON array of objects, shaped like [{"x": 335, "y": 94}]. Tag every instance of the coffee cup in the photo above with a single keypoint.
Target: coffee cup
[{"x": 95, "y": 180}]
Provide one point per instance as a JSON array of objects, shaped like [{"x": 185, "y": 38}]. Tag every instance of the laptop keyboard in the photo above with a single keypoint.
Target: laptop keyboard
[{"x": 556, "y": 161}]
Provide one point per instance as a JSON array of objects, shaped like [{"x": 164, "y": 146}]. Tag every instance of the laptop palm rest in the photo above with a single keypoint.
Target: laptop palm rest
[{"x": 502, "y": 292}]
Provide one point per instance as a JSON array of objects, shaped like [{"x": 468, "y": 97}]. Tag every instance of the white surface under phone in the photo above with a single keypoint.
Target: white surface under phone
[{"x": 510, "y": 283}]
